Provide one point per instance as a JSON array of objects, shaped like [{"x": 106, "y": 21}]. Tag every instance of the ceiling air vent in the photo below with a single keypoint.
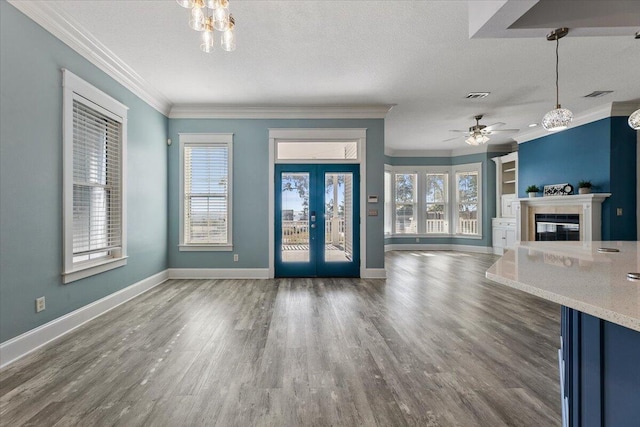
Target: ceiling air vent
[
  {"x": 598, "y": 93},
  {"x": 477, "y": 95}
]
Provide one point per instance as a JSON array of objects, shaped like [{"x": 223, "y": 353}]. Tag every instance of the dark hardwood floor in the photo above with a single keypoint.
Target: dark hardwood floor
[{"x": 435, "y": 344}]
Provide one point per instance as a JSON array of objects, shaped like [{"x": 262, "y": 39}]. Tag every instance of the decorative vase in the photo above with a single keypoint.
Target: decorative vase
[
  {"x": 532, "y": 194},
  {"x": 584, "y": 190}
]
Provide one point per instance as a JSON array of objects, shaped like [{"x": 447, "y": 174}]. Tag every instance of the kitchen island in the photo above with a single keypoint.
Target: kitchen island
[{"x": 600, "y": 322}]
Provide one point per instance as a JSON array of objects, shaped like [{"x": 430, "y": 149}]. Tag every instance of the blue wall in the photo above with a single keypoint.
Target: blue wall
[
  {"x": 31, "y": 179},
  {"x": 250, "y": 187},
  {"x": 603, "y": 152},
  {"x": 488, "y": 199}
]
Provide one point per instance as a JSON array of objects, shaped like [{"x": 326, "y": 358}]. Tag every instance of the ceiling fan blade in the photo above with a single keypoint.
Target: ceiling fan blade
[
  {"x": 504, "y": 130},
  {"x": 495, "y": 125},
  {"x": 457, "y": 130},
  {"x": 451, "y": 139}
]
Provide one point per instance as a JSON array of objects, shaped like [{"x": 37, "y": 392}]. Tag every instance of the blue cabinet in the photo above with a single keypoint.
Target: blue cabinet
[{"x": 601, "y": 378}]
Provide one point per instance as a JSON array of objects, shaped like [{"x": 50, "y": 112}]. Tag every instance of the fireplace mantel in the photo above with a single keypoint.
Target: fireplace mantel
[{"x": 587, "y": 206}]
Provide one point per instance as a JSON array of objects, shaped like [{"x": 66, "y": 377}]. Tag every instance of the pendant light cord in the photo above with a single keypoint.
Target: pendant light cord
[{"x": 557, "y": 61}]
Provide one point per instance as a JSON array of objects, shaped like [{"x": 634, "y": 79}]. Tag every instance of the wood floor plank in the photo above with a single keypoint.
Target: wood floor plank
[{"x": 435, "y": 344}]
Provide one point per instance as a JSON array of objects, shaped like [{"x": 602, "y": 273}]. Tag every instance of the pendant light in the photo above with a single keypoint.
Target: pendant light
[
  {"x": 558, "y": 118},
  {"x": 634, "y": 120},
  {"x": 209, "y": 15}
]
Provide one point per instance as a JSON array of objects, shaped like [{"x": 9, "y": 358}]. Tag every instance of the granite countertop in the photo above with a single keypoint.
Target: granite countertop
[{"x": 576, "y": 275}]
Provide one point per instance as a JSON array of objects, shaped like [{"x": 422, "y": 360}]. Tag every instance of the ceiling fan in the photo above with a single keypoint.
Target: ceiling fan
[{"x": 479, "y": 134}]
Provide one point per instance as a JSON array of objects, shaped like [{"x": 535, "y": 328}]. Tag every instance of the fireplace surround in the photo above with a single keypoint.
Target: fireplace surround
[{"x": 587, "y": 207}]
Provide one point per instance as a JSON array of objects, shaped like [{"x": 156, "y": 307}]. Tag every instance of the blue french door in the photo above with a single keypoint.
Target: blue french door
[{"x": 317, "y": 230}]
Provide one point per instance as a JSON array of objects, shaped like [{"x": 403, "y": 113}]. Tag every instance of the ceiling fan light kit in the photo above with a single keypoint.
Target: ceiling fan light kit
[
  {"x": 558, "y": 118},
  {"x": 477, "y": 139},
  {"x": 209, "y": 15}
]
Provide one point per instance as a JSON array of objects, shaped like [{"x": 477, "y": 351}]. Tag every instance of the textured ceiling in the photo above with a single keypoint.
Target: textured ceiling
[{"x": 416, "y": 54}]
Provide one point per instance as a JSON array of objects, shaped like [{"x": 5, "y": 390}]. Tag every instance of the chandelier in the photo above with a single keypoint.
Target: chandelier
[
  {"x": 209, "y": 15},
  {"x": 634, "y": 120},
  {"x": 558, "y": 118}
]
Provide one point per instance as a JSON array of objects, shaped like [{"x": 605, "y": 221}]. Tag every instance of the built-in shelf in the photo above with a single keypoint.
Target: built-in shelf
[{"x": 504, "y": 224}]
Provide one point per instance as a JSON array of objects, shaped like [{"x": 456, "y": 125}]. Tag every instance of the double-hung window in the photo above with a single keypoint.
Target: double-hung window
[
  {"x": 468, "y": 212},
  {"x": 94, "y": 134},
  {"x": 406, "y": 206},
  {"x": 436, "y": 196},
  {"x": 206, "y": 172}
]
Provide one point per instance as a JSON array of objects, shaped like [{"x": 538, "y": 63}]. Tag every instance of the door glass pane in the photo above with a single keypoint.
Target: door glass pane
[
  {"x": 338, "y": 217},
  {"x": 388, "y": 203},
  {"x": 295, "y": 217}
]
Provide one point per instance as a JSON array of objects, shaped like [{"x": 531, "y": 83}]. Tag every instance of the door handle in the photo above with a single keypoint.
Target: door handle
[{"x": 313, "y": 226}]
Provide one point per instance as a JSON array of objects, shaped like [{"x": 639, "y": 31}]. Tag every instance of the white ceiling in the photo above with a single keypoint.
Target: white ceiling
[{"x": 416, "y": 54}]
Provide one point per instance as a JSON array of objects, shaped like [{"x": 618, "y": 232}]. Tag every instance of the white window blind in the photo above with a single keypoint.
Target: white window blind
[
  {"x": 94, "y": 131},
  {"x": 206, "y": 194},
  {"x": 97, "y": 195}
]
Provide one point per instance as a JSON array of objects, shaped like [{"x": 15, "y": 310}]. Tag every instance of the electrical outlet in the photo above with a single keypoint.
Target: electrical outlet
[
  {"x": 417, "y": 240},
  {"x": 619, "y": 211},
  {"x": 40, "y": 304},
  {"x": 235, "y": 257}
]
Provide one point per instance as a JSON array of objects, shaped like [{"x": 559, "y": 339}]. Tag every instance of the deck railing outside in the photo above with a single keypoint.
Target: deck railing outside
[
  {"x": 467, "y": 226},
  {"x": 297, "y": 231}
]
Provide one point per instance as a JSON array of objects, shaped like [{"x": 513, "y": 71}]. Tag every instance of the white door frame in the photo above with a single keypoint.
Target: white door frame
[{"x": 319, "y": 135}]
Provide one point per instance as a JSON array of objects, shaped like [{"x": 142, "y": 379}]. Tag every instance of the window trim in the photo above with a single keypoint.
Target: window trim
[
  {"x": 450, "y": 205},
  {"x": 416, "y": 197},
  {"x": 447, "y": 199},
  {"x": 76, "y": 88},
  {"x": 469, "y": 167},
  {"x": 204, "y": 139}
]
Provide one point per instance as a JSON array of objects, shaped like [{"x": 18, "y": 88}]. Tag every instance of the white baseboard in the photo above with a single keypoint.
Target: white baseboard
[
  {"x": 218, "y": 273},
  {"x": 440, "y": 247},
  {"x": 20, "y": 346},
  {"x": 373, "y": 273}
]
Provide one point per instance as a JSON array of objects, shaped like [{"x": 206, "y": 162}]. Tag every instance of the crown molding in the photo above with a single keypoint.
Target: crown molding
[
  {"x": 192, "y": 111},
  {"x": 62, "y": 26},
  {"x": 611, "y": 109},
  {"x": 456, "y": 152}
]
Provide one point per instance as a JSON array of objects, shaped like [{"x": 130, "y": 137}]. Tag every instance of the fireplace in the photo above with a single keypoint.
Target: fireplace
[
  {"x": 573, "y": 217},
  {"x": 551, "y": 227}
]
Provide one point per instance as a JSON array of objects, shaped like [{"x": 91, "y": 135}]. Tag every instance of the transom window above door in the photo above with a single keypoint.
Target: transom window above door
[{"x": 321, "y": 150}]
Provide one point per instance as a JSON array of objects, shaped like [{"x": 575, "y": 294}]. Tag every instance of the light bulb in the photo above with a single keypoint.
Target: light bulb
[
  {"x": 557, "y": 119},
  {"x": 188, "y": 4},
  {"x": 228, "y": 40},
  {"x": 207, "y": 41},
  {"x": 221, "y": 17},
  {"x": 634, "y": 120},
  {"x": 197, "y": 19}
]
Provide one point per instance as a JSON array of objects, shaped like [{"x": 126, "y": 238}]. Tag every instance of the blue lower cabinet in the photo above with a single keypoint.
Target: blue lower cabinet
[{"x": 601, "y": 378}]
